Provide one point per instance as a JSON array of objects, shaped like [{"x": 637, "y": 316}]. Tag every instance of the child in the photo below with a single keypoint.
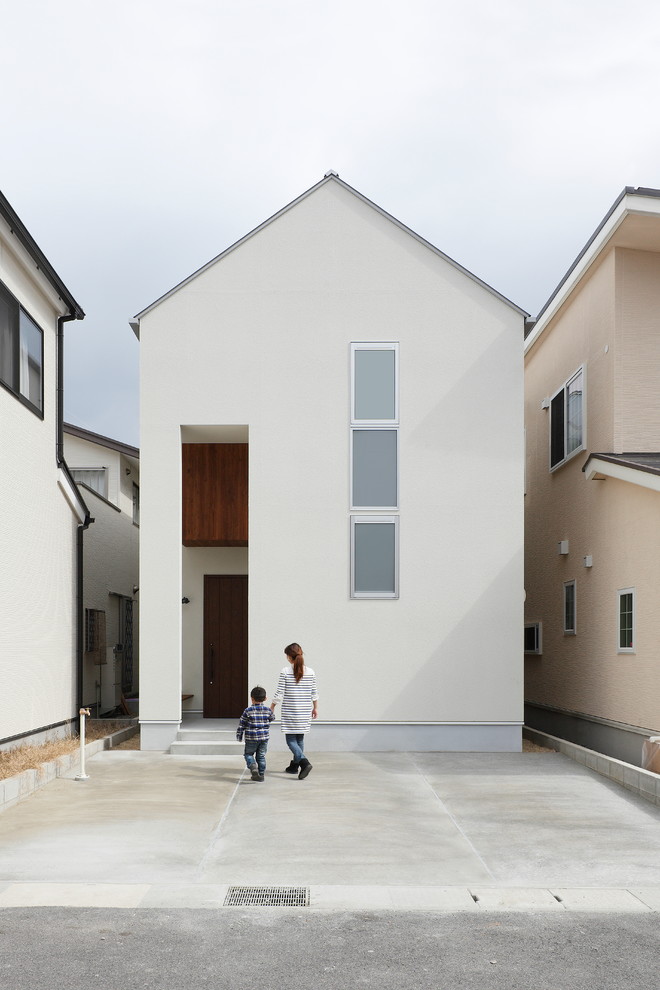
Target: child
[{"x": 255, "y": 723}]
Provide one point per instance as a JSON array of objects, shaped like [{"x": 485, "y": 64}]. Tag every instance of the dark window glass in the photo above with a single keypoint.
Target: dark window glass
[
  {"x": 557, "y": 429},
  {"x": 21, "y": 351},
  {"x": 569, "y": 608},
  {"x": 626, "y": 621}
]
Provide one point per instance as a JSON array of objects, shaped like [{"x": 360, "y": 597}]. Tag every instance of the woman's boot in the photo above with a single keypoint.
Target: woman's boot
[
  {"x": 292, "y": 767},
  {"x": 305, "y": 768}
]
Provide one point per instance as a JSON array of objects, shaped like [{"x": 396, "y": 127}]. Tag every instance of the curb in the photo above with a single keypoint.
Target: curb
[
  {"x": 23, "y": 785},
  {"x": 643, "y": 783}
]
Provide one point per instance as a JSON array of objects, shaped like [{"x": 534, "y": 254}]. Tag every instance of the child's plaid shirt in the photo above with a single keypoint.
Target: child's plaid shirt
[{"x": 255, "y": 722}]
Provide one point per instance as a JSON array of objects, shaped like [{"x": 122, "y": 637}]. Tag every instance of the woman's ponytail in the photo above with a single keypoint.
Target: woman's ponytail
[{"x": 296, "y": 654}]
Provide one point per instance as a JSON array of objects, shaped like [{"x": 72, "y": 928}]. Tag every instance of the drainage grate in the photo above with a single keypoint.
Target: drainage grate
[{"x": 267, "y": 897}]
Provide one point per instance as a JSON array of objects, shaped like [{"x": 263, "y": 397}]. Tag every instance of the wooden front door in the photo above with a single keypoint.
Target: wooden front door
[{"x": 225, "y": 645}]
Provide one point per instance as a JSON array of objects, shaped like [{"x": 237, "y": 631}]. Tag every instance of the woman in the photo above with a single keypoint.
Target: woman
[{"x": 296, "y": 689}]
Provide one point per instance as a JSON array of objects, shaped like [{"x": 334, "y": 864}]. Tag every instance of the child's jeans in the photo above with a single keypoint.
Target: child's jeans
[{"x": 256, "y": 748}]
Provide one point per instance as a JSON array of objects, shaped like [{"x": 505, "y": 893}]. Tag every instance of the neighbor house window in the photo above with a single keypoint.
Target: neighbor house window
[
  {"x": 374, "y": 469},
  {"x": 567, "y": 420},
  {"x": 136, "y": 504},
  {"x": 569, "y": 607},
  {"x": 95, "y": 478},
  {"x": 626, "y": 603},
  {"x": 533, "y": 642},
  {"x": 374, "y": 557},
  {"x": 21, "y": 352},
  {"x": 95, "y": 635}
]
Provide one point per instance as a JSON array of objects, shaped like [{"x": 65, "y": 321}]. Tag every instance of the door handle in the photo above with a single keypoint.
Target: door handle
[{"x": 212, "y": 664}]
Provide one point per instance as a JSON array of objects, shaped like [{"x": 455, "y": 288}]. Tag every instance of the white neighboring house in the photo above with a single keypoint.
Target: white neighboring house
[
  {"x": 373, "y": 387},
  {"x": 109, "y": 474},
  {"x": 42, "y": 514}
]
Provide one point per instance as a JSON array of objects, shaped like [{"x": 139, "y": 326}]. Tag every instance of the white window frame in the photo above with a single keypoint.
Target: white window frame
[
  {"x": 539, "y": 639},
  {"x": 583, "y": 445},
  {"x": 373, "y": 508},
  {"x": 375, "y": 346},
  {"x": 375, "y": 520},
  {"x": 633, "y": 648},
  {"x": 573, "y": 631}
]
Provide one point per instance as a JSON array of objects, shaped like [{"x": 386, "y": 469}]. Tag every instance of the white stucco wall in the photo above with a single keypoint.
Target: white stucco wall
[
  {"x": 38, "y": 535},
  {"x": 263, "y": 338}
]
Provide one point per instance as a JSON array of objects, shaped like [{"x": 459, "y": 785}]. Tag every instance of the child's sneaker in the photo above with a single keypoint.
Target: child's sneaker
[
  {"x": 254, "y": 770},
  {"x": 259, "y": 777}
]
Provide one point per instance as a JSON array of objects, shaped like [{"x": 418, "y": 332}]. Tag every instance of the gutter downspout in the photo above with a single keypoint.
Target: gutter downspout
[{"x": 59, "y": 454}]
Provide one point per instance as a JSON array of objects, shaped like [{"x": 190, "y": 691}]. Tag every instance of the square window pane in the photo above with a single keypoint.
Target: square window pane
[
  {"x": 374, "y": 380},
  {"x": 30, "y": 360},
  {"x": 375, "y": 469},
  {"x": 375, "y": 558}
]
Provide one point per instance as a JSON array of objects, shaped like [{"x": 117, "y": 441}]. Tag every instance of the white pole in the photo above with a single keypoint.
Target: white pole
[{"x": 82, "y": 775}]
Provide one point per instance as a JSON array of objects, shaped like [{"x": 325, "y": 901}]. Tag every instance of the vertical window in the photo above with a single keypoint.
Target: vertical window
[
  {"x": 567, "y": 420},
  {"x": 374, "y": 557},
  {"x": 21, "y": 352},
  {"x": 136, "y": 504},
  {"x": 569, "y": 607},
  {"x": 533, "y": 638},
  {"x": 374, "y": 469},
  {"x": 626, "y": 604},
  {"x": 95, "y": 642}
]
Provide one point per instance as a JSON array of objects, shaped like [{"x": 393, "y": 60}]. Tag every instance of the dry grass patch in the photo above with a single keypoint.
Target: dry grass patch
[
  {"x": 14, "y": 761},
  {"x": 532, "y": 747}
]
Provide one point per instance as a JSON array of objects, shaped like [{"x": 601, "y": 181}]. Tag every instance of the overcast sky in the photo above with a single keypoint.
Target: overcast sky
[{"x": 142, "y": 137}]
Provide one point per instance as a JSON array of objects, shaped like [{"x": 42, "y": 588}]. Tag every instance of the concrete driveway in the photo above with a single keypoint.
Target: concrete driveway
[{"x": 432, "y": 831}]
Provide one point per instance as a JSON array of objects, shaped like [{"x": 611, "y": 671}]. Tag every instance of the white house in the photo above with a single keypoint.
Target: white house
[
  {"x": 372, "y": 388},
  {"x": 108, "y": 471},
  {"x": 42, "y": 514}
]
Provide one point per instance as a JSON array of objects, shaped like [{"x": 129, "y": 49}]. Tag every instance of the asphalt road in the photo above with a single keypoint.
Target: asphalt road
[{"x": 281, "y": 949}]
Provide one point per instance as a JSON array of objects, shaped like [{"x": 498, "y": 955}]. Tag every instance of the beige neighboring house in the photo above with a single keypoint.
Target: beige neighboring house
[
  {"x": 592, "y": 506},
  {"x": 42, "y": 513},
  {"x": 108, "y": 473}
]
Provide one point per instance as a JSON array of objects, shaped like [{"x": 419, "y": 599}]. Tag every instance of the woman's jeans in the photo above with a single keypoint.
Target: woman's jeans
[{"x": 296, "y": 744}]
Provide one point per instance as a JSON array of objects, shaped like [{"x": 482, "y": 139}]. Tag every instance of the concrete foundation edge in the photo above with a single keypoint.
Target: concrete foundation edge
[
  {"x": 644, "y": 783},
  {"x": 343, "y": 737}
]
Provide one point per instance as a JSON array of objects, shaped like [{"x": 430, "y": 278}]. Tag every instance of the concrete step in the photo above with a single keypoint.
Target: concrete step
[
  {"x": 206, "y": 747},
  {"x": 206, "y": 735}
]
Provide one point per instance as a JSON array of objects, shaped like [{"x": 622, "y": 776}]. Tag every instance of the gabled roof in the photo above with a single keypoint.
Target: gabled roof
[
  {"x": 21, "y": 232},
  {"x": 631, "y": 222},
  {"x": 123, "y": 448},
  {"x": 329, "y": 177}
]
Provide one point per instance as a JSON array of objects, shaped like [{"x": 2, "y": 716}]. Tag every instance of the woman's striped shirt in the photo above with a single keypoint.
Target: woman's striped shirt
[{"x": 296, "y": 699}]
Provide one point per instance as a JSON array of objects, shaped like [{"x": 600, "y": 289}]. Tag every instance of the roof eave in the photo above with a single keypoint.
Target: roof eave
[
  {"x": 592, "y": 250},
  {"x": 21, "y": 232}
]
